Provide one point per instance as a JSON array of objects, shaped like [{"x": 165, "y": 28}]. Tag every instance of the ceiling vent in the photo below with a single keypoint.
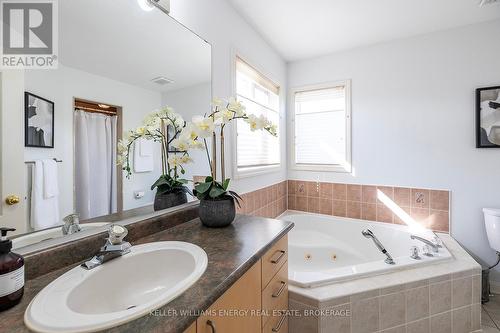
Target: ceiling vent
[
  {"x": 488, "y": 2},
  {"x": 161, "y": 80}
]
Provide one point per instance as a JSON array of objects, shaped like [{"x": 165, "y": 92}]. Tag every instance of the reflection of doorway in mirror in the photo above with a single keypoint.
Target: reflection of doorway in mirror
[{"x": 98, "y": 178}]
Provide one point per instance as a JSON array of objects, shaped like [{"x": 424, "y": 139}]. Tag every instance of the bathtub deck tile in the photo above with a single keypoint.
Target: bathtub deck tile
[
  {"x": 365, "y": 315},
  {"x": 441, "y": 323},
  {"x": 419, "y": 326},
  {"x": 441, "y": 278},
  {"x": 462, "y": 292},
  {"x": 392, "y": 310},
  {"x": 364, "y": 295},
  {"x": 440, "y": 297},
  {"x": 417, "y": 303},
  {"x": 335, "y": 302},
  {"x": 417, "y": 284},
  {"x": 339, "y": 321},
  {"x": 392, "y": 289}
]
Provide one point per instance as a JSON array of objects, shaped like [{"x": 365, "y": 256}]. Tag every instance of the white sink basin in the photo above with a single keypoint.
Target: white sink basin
[{"x": 118, "y": 291}]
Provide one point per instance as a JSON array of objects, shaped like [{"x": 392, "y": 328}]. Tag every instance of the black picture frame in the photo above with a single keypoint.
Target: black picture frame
[
  {"x": 40, "y": 135},
  {"x": 481, "y": 135}
]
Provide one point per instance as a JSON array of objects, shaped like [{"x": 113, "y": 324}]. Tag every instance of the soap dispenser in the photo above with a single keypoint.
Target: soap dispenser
[{"x": 11, "y": 273}]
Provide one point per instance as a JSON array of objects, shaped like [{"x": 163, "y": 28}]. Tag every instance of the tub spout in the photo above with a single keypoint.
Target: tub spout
[
  {"x": 434, "y": 246},
  {"x": 369, "y": 234}
]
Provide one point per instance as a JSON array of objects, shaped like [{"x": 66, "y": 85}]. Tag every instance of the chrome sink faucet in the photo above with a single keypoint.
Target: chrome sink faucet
[
  {"x": 369, "y": 234},
  {"x": 115, "y": 247},
  {"x": 435, "y": 247},
  {"x": 71, "y": 224}
]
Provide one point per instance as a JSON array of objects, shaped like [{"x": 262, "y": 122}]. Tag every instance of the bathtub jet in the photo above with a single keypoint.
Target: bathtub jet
[{"x": 369, "y": 234}]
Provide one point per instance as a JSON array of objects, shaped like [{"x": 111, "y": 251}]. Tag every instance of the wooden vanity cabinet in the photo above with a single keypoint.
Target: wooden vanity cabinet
[
  {"x": 251, "y": 304},
  {"x": 244, "y": 297}
]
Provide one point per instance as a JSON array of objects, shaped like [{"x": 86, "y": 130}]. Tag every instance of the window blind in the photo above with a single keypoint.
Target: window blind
[
  {"x": 320, "y": 126},
  {"x": 260, "y": 97}
]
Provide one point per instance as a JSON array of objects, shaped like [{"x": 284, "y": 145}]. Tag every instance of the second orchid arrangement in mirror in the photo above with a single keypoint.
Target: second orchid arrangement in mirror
[{"x": 163, "y": 126}]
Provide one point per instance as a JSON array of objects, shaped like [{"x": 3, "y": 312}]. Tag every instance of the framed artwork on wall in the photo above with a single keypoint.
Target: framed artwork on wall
[
  {"x": 38, "y": 121},
  {"x": 488, "y": 117}
]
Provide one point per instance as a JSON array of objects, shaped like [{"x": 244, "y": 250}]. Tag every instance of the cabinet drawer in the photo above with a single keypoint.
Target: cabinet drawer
[
  {"x": 278, "y": 324},
  {"x": 274, "y": 259},
  {"x": 275, "y": 296}
]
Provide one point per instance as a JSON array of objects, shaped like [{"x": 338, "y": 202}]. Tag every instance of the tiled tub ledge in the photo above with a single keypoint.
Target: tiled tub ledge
[{"x": 445, "y": 297}]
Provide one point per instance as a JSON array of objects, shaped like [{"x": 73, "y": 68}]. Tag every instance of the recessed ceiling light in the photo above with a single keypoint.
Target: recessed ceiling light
[
  {"x": 145, "y": 5},
  {"x": 161, "y": 80}
]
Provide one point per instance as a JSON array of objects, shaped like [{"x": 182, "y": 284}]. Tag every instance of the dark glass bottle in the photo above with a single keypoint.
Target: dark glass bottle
[{"x": 11, "y": 273}]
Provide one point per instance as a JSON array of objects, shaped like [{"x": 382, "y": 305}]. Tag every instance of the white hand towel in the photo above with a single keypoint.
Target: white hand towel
[
  {"x": 142, "y": 163},
  {"x": 146, "y": 147},
  {"x": 50, "y": 184},
  {"x": 44, "y": 211}
]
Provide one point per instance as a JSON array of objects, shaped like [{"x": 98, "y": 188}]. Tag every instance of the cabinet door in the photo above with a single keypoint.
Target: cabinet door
[{"x": 243, "y": 297}]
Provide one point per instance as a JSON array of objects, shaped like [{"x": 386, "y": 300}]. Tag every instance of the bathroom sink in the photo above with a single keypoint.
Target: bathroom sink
[{"x": 118, "y": 291}]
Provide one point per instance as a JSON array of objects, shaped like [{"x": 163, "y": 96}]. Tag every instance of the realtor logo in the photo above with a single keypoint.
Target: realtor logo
[{"x": 29, "y": 34}]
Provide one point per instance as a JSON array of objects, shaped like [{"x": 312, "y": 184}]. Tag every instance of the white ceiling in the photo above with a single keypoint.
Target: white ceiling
[
  {"x": 118, "y": 40},
  {"x": 300, "y": 29}
]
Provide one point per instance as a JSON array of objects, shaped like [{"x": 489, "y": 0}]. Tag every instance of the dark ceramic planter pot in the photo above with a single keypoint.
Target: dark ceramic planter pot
[
  {"x": 217, "y": 213},
  {"x": 170, "y": 199}
]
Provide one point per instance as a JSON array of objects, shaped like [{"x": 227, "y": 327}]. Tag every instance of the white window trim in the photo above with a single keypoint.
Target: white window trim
[
  {"x": 318, "y": 167},
  {"x": 258, "y": 170}
]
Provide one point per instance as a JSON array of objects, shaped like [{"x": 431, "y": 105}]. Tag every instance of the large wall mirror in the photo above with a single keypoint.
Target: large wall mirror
[{"x": 118, "y": 61}]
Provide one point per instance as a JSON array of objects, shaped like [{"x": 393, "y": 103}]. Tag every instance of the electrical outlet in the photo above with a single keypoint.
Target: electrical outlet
[{"x": 138, "y": 194}]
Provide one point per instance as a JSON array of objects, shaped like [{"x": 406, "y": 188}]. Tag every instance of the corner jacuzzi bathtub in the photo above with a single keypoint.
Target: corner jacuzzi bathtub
[{"x": 325, "y": 249}]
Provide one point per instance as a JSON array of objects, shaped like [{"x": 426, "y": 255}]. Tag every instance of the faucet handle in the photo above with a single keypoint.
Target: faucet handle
[
  {"x": 72, "y": 219},
  {"x": 116, "y": 234},
  {"x": 436, "y": 240},
  {"x": 414, "y": 253}
]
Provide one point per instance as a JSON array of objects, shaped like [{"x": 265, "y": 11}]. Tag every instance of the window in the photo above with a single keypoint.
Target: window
[
  {"x": 256, "y": 151},
  {"x": 321, "y": 128}
]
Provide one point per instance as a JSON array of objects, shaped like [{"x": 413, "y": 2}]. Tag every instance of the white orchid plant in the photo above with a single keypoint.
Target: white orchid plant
[
  {"x": 208, "y": 126},
  {"x": 174, "y": 148}
]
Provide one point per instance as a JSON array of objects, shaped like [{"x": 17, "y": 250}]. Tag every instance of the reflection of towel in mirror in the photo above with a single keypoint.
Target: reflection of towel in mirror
[
  {"x": 146, "y": 147},
  {"x": 143, "y": 162},
  {"x": 44, "y": 211},
  {"x": 50, "y": 184}
]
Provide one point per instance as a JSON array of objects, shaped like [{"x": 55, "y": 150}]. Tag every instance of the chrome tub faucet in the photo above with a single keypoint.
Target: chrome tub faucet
[
  {"x": 369, "y": 234},
  {"x": 115, "y": 247},
  {"x": 433, "y": 245}
]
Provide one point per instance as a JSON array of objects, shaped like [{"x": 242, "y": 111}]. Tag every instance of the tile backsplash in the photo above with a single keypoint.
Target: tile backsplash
[
  {"x": 388, "y": 204},
  {"x": 268, "y": 202},
  {"x": 430, "y": 208}
]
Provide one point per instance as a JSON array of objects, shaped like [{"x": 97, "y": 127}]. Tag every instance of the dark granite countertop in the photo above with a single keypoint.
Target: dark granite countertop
[{"x": 231, "y": 252}]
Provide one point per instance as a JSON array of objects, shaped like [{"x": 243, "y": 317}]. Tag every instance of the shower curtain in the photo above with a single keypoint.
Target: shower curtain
[{"x": 95, "y": 164}]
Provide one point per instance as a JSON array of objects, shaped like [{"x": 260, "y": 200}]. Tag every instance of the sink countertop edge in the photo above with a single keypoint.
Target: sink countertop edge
[{"x": 248, "y": 238}]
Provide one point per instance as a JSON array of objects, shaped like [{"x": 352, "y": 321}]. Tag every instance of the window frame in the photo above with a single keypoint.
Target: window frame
[
  {"x": 263, "y": 169},
  {"x": 348, "y": 124}
]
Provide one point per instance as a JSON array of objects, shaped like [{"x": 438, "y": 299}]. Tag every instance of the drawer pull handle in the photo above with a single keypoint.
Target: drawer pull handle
[
  {"x": 278, "y": 259},
  {"x": 212, "y": 326},
  {"x": 280, "y": 291},
  {"x": 278, "y": 327}
]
